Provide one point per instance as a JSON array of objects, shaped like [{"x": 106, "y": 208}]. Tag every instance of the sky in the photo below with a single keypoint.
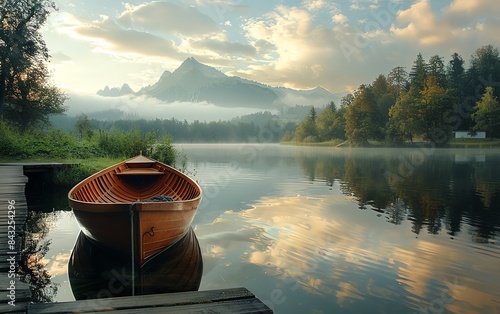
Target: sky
[{"x": 298, "y": 44}]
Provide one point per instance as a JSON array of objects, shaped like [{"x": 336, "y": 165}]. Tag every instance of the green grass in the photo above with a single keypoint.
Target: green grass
[
  {"x": 332, "y": 143},
  {"x": 474, "y": 143},
  {"x": 81, "y": 169}
]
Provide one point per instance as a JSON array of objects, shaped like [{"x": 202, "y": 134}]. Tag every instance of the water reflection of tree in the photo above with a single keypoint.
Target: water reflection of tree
[
  {"x": 328, "y": 168},
  {"x": 426, "y": 193},
  {"x": 364, "y": 178},
  {"x": 31, "y": 269},
  {"x": 437, "y": 193}
]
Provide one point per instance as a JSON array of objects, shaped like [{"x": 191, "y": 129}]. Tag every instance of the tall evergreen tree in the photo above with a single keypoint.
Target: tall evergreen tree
[
  {"x": 398, "y": 80},
  {"x": 484, "y": 71},
  {"x": 436, "y": 68},
  {"x": 418, "y": 73},
  {"x": 456, "y": 73}
]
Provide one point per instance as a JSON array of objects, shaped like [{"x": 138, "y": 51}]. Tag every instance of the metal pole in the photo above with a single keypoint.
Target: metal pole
[{"x": 132, "y": 246}]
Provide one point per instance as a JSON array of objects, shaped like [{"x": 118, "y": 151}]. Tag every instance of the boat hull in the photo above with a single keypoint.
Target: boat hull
[
  {"x": 91, "y": 269},
  {"x": 114, "y": 207}
]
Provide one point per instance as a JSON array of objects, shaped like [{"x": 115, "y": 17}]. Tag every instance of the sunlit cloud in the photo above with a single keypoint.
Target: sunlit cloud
[
  {"x": 339, "y": 18},
  {"x": 168, "y": 18}
]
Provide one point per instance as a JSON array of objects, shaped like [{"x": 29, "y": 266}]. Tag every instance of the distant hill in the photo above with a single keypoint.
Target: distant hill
[{"x": 196, "y": 82}]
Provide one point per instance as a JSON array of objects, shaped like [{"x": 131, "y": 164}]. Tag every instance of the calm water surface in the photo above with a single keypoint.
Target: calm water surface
[{"x": 322, "y": 230}]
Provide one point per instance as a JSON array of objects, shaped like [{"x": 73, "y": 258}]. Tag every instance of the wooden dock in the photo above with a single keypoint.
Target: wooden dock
[
  {"x": 30, "y": 167},
  {"x": 235, "y": 300},
  {"x": 14, "y": 292}
]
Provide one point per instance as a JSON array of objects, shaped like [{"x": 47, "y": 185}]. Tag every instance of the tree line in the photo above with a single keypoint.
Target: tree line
[
  {"x": 427, "y": 103},
  {"x": 267, "y": 129}
]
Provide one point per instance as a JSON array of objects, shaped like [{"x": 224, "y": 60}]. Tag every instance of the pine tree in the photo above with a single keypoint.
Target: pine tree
[{"x": 418, "y": 73}]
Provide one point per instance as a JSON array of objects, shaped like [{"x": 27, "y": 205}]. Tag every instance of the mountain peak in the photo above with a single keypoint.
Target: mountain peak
[
  {"x": 191, "y": 64},
  {"x": 116, "y": 91}
]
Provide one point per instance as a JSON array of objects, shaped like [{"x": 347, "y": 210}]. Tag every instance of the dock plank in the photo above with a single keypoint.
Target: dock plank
[{"x": 234, "y": 300}]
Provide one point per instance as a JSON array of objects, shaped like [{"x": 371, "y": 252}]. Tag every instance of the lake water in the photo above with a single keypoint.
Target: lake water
[{"x": 326, "y": 230}]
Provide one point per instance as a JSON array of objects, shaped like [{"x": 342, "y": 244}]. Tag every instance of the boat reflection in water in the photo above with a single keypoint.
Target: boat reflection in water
[{"x": 95, "y": 272}]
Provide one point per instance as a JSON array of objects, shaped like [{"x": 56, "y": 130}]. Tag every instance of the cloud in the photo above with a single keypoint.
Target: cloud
[
  {"x": 110, "y": 37},
  {"x": 419, "y": 23},
  {"x": 168, "y": 18},
  {"x": 304, "y": 54},
  {"x": 223, "y": 47},
  {"x": 461, "y": 22},
  {"x": 339, "y": 18}
]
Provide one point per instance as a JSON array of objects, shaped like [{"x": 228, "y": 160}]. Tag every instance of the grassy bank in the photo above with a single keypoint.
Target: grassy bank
[
  {"x": 95, "y": 151},
  {"x": 474, "y": 143},
  {"x": 332, "y": 143},
  {"x": 453, "y": 143}
]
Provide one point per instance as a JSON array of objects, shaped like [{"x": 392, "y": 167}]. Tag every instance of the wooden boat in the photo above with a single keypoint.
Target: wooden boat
[
  {"x": 91, "y": 269},
  {"x": 139, "y": 206}
]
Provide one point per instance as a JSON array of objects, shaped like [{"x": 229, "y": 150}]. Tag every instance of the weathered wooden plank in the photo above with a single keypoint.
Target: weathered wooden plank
[
  {"x": 12, "y": 184},
  {"x": 145, "y": 301},
  {"x": 20, "y": 307},
  {"x": 225, "y": 307},
  {"x": 5, "y": 280}
]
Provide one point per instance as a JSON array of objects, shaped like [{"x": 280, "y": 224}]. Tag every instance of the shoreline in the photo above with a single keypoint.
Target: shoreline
[{"x": 455, "y": 143}]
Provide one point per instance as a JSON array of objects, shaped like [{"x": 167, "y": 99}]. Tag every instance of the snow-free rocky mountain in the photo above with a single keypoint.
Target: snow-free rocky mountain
[{"x": 196, "y": 82}]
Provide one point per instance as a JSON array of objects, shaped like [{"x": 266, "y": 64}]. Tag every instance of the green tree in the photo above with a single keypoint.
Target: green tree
[
  {"x": 436, "y": 68},
  {"x": 329, "y": 124},
  {"x": 363, "y": 118},
  {"x": 21, "y": 45},
  {"x": 307, "y": 130},
  {"x": 397, "y": 80},
  {"x": 434, "y": 101},
  {"x": 484, "y": 71},
  {"x": 456, "y": 74},
  {"x": 346, "y": 101},
  {"x": 384, "y": 97},
  {"x": 418, "y": 73},
  {"x": 83, "y": 125},
  {"x": 26, "y": 96},
  {"x": 33, "y": 99},
  {"x": 487, "y": 114},
  {"x": 404, "y": 116}
]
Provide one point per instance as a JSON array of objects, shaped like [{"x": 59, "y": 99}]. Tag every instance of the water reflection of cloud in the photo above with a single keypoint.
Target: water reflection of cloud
[
  {"x": 328, "y": 247},
  {"x": 57, "y": 265}
]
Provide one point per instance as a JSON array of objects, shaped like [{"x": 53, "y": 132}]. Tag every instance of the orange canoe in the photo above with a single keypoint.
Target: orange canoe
[{"x": 140, "y": 199}]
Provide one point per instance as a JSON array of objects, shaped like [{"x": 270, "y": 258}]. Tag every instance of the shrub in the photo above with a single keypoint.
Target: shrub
[
  {"x": 117, "y": 143},
  {"x": 163, "y": 151},
  {"x": 10, "y": 141}
]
